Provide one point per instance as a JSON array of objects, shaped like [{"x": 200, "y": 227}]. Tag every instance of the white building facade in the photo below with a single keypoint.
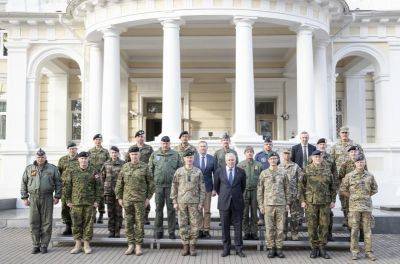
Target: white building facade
[{"x": 252, "y": 68}]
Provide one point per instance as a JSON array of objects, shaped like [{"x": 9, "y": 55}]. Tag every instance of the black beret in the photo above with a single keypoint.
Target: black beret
[
  {"x": 273, "y": 154},
  {"x": 115, "y": 148},
  {"x": 267, "y": 140},
  {"x": 139, "y": 133},
  {"x": 188, "y": 153},
  {"x": 40, "y": 153},
  {"x": 360, "y": 157},
  {"x": 321, "y": 140},
  {"x": 83, "y": 154},
  {"x": 316, "y": 153},
  {"x": 71, "y": 145},
  {"x": 183, "y": 133},
  {"x": 165, "y": 139},
  {"x": 352, "y": 148},
  {"x": 97, "y": 136},
  {"x": 133, "y": 149},
  {"x": 226, "y": 136}
]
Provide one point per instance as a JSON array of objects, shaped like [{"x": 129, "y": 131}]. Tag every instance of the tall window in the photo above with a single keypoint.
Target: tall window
[
  {"x": 339, "y": 116},
  {"x": 3, "y": 119},
  {"x": 76, "y": 112}
]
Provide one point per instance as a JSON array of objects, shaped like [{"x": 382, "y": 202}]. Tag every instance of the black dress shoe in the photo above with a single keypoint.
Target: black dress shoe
[
  {"x": 171, "y": 236},
  {"x": 111, "y": 234},
  {"x": 225, "y": 253},
  {"x": 330, "y": 238},
  {"x": 271, "y": 253},
  {"x": 314, "y": 253},
  {"x": 247, "y": 236},
  {"x": 35, "y": 250},
  {"x": 206, "y": 234},
  {"x": 159, "y": 235},
  {"x": 201, "y": 234},
  {"x": 100, "y": 219},
  {"x": 240, "y": 254},
  {"x": 67, "y": 231},
  {"x": 43, "y": 250}
]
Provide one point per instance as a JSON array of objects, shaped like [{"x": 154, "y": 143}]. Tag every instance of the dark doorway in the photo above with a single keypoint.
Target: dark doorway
[{"x": 153, "y": 128}]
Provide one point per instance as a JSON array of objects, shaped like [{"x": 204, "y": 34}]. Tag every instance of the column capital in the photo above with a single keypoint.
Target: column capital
[
  {"x": 171, "y": 22},
  {"x": 322, "y": 43},
  {"x": 359, "y": 75},
  {"x": 303, "y": 29},
  {"x": 244, "y": 21},
  {"x": 112, "y": 31}
]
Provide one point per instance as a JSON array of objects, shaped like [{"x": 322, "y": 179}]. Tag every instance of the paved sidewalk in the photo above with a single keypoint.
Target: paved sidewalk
[{"x": 15, "y": 246}]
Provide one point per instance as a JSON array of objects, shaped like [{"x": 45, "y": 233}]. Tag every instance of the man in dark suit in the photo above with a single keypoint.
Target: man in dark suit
[
  {"x": 206, "y": 163},
  {"x": 301, "y": 152},
  {"x": 230, "y": 184}
]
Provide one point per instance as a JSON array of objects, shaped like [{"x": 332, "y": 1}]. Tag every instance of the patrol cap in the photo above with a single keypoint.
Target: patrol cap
[
  {"x": 139, "y": 133},
  {"x": 165, "y": 139},
  {"x": 344, "y": 129},
  {"x": 226, "y": 136},
  {"x": 249, "y": 148},
  {"x": 40, "y": 153},
  {"x": 267, "y": 140},
  {"x": 287, "y": 150},
  {"x": 188, "y": 153},
  {"x": 133, "y": 149},
  {"x": 83, "y": 154},
  {"x": 71, "y": 145},
  {"x": 97, "y": 136},
  {"x": 360, "y": 157},
  {"x": 115, "y": 148},
  {"x": 352, "y": 148},
  {"x": 321, "y": 140},
  {"x": 273, "y": 154},
  {"x": 183, "y": 133},
  {"x": 316, "y": 153}
]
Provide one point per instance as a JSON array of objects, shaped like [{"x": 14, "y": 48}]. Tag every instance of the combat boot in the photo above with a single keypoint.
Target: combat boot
[
  {"x": 254, "y": 236},
  {"x": 185, "y": 250},
  {"x": 206, "y": 234},
  {"x": 86, "y": 247},
  {"x": 323, "y": 253},
  {"x": 172, "y": 236},
  {"x": 370, "y": 256},
  {"x": 111, "y": 234},
  {"x": 193, "y": 251},
  {"x": 43, "y": 249},
  {"x": 279, "y": 253},
  {"x": 247, "y": 236},
  {"x": 159, "y": 235},
  {"x": 77, "y": 248},
  {"x": 271, "y": 253},
  {"x": 35, "y": 250},
  {"x": 130, "y": 250},
  {"x": 138, "y": 250},
  {"x": 354, "y": 256},
  {"x": 314, "y": 253},
  {"x": 117, "y": 234},
  {"x": 67, "y": 230},
  {"x": 100, "y": 219}
]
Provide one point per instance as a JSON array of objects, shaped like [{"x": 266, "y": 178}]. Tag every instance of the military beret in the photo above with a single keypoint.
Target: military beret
[
  {"x": 344, "y": 129},
  {"x": 273, "y": 154},
  {"x": 40, "y": 153},
  {"x": 188, "y": 153},
  {"x": 321, "y": 140},
  {"x": 139, "y": 133},
  {"x": 71, "y": 145},
  {"x": 165, "y": 139},
  {"x": 97, "y": 136},
  {"x": 352, "y": 148},
  {"x": 287, "y": 150},
  {"x": 133, "y": 149},
  {"x": 183, "y": 133},
  {"x": 360, "y": 157},
  {"x": 249, "y": 148},
  {"x": 267, "y": 140},
  {"x": 316, "y": 153},
  {"x": 226, "y": 136},
  {"x": 115, "y": 148},
  {"x": 83, "y": 154}
]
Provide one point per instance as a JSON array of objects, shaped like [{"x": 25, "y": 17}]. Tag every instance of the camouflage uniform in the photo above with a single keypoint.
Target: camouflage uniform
[
  {"x": 134, "y": 186},
  {"x": 109, "y": 176},
  {"x": 38, "y": 185},
  {"x": 360, "y": 186},
  {"x": 294, "y": 173},
  {"x": 188, "y": 191},
  {"x": 332, "y": 164},
  {"x": 253, "y": 169},
  {"x": 83, "y": 188},
  {"x": 219, "y": 157},
  {"x": 162, "y": 166},
  {"x": 317, "y": 190},
  {"x": 273, "y": 196},
  {"x": 64, "y": 163},
  {"x": 97, "y": 158},
  {"x": 181, "y": 148}
]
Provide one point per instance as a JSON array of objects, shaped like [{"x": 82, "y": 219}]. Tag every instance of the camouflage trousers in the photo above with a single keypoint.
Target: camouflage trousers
[
  {"x": 162, "y": 198},
  {"x": 274, "y": 223},
  {"x": 82, "y": 222},
  {"x": 250, "y": 212},
  {"x": 189, "y": 220},
  {"x": 317, "y": 224},
  {"x": 205, "y": 214},
  {"x": 363, "y": 220},
  {"x": 41, "y": 219},
  {"x": 134, "y": 222},
  {"x": 344, "y": 201},
  {"x": 114, "y": 211},
  {"x": 65, "y": 212},
  {"x": 295, "y": 216}
]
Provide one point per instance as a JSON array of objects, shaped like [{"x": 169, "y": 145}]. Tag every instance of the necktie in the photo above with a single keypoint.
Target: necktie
[
  {"x": 203, "y": 164},
  {"x": 230, "y": 177},
  {"x": 305, "y": 158}
]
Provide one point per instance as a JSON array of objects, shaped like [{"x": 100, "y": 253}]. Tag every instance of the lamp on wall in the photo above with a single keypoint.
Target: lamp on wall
[{"x": 285, "y": 116}]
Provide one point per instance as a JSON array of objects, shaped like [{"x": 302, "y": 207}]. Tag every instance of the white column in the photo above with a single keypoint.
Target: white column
[
  {"x": 57, "y": 107},
  {"x": 385, "y": 112},
  {"x": 95, "y": 89},
  {"x": 18, "y": 115},
  {"x": 394, "y": 58},
  {"x": 171, "y": 115},
  {"x": 355, "y": 106},
  {"x": 305, "y": 81},
  {"x": 111, "y": 123},
  {"x": 322, "y": 100},
  {"x": 244, "y": 83},
  {"x": 33, "y": 101}
]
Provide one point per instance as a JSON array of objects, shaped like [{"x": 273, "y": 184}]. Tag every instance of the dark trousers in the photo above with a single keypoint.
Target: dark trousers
[{"x": 236, "y": 217}]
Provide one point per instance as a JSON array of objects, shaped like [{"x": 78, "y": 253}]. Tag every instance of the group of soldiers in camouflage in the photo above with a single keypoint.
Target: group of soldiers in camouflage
[{"x": 274, "y": 189}]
